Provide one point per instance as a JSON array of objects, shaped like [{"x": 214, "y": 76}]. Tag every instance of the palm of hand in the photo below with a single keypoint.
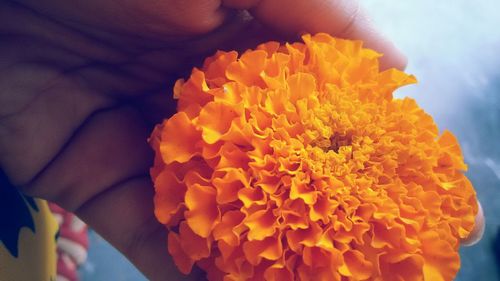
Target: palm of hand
[{"x": 75, "y": 115}]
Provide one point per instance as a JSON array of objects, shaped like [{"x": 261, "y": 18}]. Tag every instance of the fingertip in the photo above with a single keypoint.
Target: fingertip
[
  {"x": 361, "y": 27},
  {"x": 478, "y": 230},
  {"x": 392, "y": 56}
]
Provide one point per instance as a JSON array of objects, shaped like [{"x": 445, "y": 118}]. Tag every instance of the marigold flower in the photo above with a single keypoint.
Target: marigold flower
[{"x": 295, "y": 162}]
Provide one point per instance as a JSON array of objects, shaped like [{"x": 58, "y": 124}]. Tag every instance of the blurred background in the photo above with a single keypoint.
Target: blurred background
[{"x": 453, "y": 48}]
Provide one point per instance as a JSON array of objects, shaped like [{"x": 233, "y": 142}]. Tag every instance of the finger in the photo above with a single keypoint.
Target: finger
[
  {"x": 478, "y": 230},
  {"x": 123, "y": 215},
  {"x": 156, "y": 18},
  {"x": 102, "y": 175},
  {"x": 341, "y": 18}
]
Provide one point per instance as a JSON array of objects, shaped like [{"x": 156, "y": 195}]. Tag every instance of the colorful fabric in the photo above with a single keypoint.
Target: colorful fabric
[
  {"x": 28, "y": 233},
  {"x": 72, "y": 244},
  {"x": 32, "y": 232}
]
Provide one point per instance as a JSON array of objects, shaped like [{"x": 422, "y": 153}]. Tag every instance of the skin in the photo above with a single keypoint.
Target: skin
[{"x": 83, "y": 82}]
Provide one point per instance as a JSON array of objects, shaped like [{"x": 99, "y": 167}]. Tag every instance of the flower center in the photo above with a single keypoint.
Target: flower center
[
  {"x": 339, "y": 140},
  {"x": 334, "y": 143}
]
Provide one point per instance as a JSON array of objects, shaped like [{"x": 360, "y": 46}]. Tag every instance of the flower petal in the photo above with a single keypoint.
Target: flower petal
[
  {"x": 169, "y": 195},
  {"x": 183, "y": 262},
  {"x": 202, "y": 214},
  {"x": 179, "y": 139},
  {"x": 215, "y": 120}
]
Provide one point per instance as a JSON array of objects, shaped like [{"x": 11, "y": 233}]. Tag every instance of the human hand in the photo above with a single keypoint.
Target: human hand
[{"x": 84, "y": 82}]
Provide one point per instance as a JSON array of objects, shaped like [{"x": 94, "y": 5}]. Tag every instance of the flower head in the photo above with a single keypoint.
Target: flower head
[{"x": 295, "y": 162}]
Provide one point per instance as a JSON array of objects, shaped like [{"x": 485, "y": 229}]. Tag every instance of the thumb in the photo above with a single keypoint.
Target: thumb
[
  {"x": 478, "y": 230},
  {"x": 341, "y": 18}
]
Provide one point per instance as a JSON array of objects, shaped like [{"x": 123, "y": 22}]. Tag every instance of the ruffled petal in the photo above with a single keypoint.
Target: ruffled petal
[
  {"x": 179, "y": 139},
  {"x": 215, "y": 120},
  {"x": 269, "y": 248},
  {"x": 183, "y": 262},
  {"x": 169, "y": 195},
  {"x": 203, "y": 213}
]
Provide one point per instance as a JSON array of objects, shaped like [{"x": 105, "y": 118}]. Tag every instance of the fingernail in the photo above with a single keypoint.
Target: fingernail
[{"x": 478, "y": 231}]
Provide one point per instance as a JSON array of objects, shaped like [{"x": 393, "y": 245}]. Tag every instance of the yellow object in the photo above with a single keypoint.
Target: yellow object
[{"x": 33, "y": 257}]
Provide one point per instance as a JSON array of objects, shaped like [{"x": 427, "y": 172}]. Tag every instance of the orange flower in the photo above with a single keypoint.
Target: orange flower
[{"x": 295, "y": 162}]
